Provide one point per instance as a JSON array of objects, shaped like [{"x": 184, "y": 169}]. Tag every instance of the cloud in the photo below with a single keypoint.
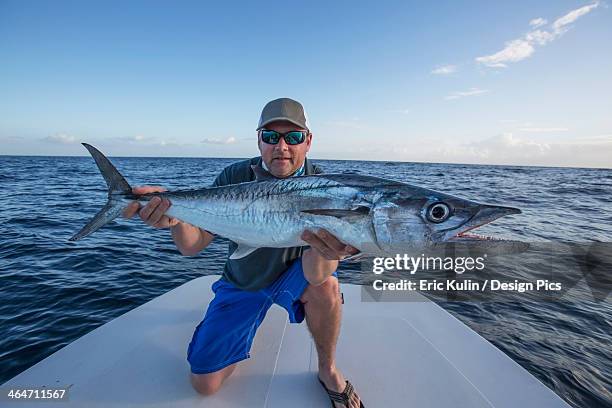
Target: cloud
[
  {"x": 526, "y": 149},
  {"x": 561, "y": 23},
  {"x": 514, "y": 51},
  {"x": 141, "y": 141},
  {"x": 521, "y": 48},
  {"x": 215, "y": 141},
  {"x": 543, "y": 129},
  {"x": 470, "y": 92},
  {"x": 138, "y": 138},
  {"x": 510, "y": 149},
  {"x": 405, "y": 111},
  {"x": 539, "y": 37},
  {"x": 501, "y": 149},
  {"x": 444, "y": 70},
  {"x": 598, "y": 139},
  {"x": 60, "y": 138},
  {"x": 537, "y": 22},
  {"x": 506, "y": 145}
]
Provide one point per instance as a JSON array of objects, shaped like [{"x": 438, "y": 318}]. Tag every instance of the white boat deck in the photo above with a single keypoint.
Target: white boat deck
[{"x": 397, "y": 354}]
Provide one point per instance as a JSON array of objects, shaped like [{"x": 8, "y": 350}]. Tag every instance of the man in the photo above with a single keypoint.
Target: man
[{"x": 251, "y": 284}]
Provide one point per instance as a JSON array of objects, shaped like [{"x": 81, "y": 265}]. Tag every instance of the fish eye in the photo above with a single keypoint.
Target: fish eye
[{"x": 438, "y": 212}]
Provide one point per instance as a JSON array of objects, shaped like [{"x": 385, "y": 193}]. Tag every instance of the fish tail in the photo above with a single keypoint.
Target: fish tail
[{"x": 117, "y": 187}]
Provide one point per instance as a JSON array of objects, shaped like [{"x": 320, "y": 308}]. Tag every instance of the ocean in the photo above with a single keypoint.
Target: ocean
[{"x": 54, "y": 291}]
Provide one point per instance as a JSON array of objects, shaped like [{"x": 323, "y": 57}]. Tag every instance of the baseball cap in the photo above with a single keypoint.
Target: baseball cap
[{"x": 284, "y": 109}]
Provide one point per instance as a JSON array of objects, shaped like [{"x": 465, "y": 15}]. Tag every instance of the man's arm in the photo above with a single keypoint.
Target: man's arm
[
  {"x": 189, "y": 240},
  {"x": 321, "y": 260}
]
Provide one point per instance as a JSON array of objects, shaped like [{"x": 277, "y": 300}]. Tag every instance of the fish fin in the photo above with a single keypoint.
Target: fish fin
[
  {"x": 115, "y": 181},
  {"x": 109, "y": 212},
  {"x": 354, "y": 258},
  {"x": 339, "y": 213},
  {"x": 242, "y": 251},
  {"x": 117, "y": 185},
  {"x": 261, "y": 173}
]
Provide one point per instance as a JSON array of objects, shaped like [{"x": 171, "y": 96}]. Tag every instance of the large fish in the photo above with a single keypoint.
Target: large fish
[{"x": 375, "y": 215}]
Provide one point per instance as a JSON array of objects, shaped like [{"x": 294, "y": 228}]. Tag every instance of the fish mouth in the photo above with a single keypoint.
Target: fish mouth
[{"x": 485, "y": 215}]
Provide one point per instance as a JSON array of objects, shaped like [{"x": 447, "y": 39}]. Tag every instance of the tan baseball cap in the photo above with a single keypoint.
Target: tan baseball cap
[{"x": 284, "y": 109}]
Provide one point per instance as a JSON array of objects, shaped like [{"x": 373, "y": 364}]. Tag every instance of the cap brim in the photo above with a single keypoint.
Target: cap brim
[{"x": 267, "y": 122}]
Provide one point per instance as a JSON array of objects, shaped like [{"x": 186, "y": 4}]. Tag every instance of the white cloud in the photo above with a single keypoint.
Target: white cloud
[
  {"x": 470, "y": 92},
  {"x": 60, "y": 138},
  {"x": 405, "y": 111},
  {"x": 514, "y": 51},
  {"x": 578, "y": 152},
  {"x": 560, "y": 24},
  {"x": 537, "y": 22},
  {"x": 444, "y": 70},
  {"x": 521, "y": 48},
  {"x": 507, "y": 148},
  {"x": 141, "y": 141},
  {"x": 539, "y": 37},
  {"x": 601, "y": 140},
  {"x": 543, "y": 129},
  {"x": 501, "y": 149},
  {"x": 505, "y": 145},
  {"x": 216, "y": 141}
]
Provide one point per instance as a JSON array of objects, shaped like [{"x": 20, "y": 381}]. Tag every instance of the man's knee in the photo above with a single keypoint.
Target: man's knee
[
  {"x": 328, "y": 292},
  {"x": 207, "y": 384}
]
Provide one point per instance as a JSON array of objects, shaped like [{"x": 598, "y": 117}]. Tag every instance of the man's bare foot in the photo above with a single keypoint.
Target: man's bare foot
[{"x": 335, "y": 381}]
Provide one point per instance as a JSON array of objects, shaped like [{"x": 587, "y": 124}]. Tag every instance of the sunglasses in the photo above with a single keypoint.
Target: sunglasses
[{"x": 295, "y": 137}]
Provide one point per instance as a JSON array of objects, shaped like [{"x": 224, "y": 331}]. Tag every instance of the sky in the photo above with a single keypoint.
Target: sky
[{"x": 520, "y": 83}]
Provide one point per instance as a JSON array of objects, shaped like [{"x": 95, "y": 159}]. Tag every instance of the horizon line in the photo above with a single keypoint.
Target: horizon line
[{"x": 320, "y": 159}]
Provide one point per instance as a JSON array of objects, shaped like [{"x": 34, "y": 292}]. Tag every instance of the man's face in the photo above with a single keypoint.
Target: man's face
[{"x": 282, "y": 159}]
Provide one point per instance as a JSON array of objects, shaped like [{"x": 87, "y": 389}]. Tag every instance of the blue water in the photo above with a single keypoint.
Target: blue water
[{"x": 53, "y": 291}]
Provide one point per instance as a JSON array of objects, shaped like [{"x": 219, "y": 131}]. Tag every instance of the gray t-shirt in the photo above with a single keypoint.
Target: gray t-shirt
[{"x": 263, "y": 266}]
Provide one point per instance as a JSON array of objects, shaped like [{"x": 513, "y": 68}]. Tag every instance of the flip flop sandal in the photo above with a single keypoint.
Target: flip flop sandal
[{"x": 341, "y": 397}]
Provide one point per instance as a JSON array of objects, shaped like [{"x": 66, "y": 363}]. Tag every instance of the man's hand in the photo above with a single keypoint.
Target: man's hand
[
  {"x": 152, "y": 213},
  {"x": 327, "y": 245}
]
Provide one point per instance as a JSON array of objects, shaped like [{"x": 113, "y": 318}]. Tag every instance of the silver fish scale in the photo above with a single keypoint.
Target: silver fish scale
[
  {"x": 269, "y": 213},
  {"x": 254, "y": 190}
]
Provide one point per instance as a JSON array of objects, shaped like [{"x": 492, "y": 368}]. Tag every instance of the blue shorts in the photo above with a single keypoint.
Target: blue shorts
[{"x": 226, "y": 333}]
